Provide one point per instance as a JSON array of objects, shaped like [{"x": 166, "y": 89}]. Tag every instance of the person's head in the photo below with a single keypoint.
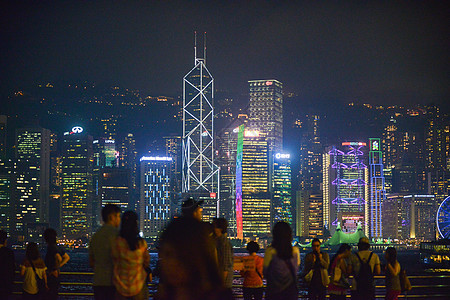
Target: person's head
[
  {"x": 129, "y": 229},
  {"x": 252, "y": 247},
  {"x": 282, "y": 239},
  {"x": 315, "y": 244},
  {"x": 363, "y": 244},
  {"x": 32, "y": 252},
  {"x": 50, "y": 236},
  {"x": 3, "y": 237},
  {"x": 111, "y": 215},
  {"x": 391, "y": 255},
  {"x": 188, "y": 259},
  {"x": 220, "y": 226},
  {"x": 192, "y": 208},
  {"x": 345, "y": 250}
]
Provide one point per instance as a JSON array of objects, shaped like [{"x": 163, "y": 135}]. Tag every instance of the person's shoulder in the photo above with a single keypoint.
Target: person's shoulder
[
  {"x": 270, "y": 250},
  {"x": 377, "y": 258},
  {"x": 39, "y": 263}
]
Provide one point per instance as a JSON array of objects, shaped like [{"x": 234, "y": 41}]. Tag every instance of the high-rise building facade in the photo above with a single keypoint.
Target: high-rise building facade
[
  {"x": 6, "y": 194},
  {"x": 376, "y": 185},
  {"x": 310, "y": 156},
  {"x": 266, "y": 111},
  {"x": 109, "y": 126},
  {"x": 32, "y": 178},
  {"x": 173, "y": 150},
  {"x": 77, "y": 189},
  {"x": 256, "y": 200},
  {"x": 3, "y": 135},
  {"x": 281, "y": 188},
  {"x": 309, "y": 214},
  {"x": 128, "y": 157},
  {"x": 200, "y": 175},
  {"x": 392, "y": 216},
  {"x": 155, "y": 202},
  {"x": 419, "y": 216},
  {"x": 345, "y": 188},
  {"x": 114, "y": 187}
]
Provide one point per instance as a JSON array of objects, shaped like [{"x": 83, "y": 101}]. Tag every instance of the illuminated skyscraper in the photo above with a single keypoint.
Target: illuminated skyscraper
[
  {"x": 128, "y": 157},
  {"x": 310, "y": 173},
  {"x": 109, "y": 128},
  {"x": 309, "y": 214},
  {"x": 173, "y": 150},
  {"x": 266, "y": 111},
  {"x": 32, "y": 178},
  {"x": 226, "y": 142},
  {"x": 346, "y": 189},
  {"x": 419, "y": 216},
  {"x": 200, "y": 175},
  {"x": 3, "y": 123},
  {"x": 377, "y": 191},
  {"x": 392, "y": 216},
  {"x": 77, "y": 184},
  {"x": 6, "y": 193},
  {"x": 256, "y": 200},
  {"x": 281, "y": 181},
  {"x": 391, "y": 144},
  {"x": 114, "y": 187},
  {"x": 155, "y": 203}
]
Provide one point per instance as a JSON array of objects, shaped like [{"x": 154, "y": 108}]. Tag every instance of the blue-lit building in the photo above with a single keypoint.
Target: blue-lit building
[
  {"x": 154, "y": 204},
  {"x": 281, "y": 187},
  {"x": 377, "y": 190}
]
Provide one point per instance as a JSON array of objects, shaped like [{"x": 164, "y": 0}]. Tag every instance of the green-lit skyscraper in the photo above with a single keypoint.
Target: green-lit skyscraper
[
  {"x": 281, "y": 187},
  {"x": 76, "y": 184}
]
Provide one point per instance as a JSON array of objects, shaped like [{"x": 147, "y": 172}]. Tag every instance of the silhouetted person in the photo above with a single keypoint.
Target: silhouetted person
[
  {"x": 188, "y": 263},
  {"x": 339, "y": 270},
  {"x": 33, "y": 266},
  {"x": 192, "y": 209},
  {"x": 130, "y": 257},
  {"x": 100, "y": 257},
  {"x": 7, "y": 267},
  {"x": 55, "y": 258},
  {"x": 224, "y": 250},
  {"x": 252, "y": 288},
  {"x": 281, "y": 262},
  {"x": 318, "y": 262},
  {"x": 393, "y": 287},
  {"x": 365, "y": 264}
]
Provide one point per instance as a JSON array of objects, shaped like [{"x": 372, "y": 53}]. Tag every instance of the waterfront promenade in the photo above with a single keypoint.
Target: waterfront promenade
[{"x": 427, "y": 284}]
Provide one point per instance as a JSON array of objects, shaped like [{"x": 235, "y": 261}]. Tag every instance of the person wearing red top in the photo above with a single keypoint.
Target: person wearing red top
[{"x": 252, "y": 273}]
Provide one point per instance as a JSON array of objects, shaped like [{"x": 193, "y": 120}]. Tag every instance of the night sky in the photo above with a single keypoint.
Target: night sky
[{"x": 379, "y": 52}]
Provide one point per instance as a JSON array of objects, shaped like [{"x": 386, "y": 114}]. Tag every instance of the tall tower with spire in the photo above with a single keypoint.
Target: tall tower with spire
[{"x": 200, "y": 176}]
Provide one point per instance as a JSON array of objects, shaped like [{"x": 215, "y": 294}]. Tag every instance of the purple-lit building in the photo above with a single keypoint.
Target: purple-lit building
[{"x": 345, "y": 188}]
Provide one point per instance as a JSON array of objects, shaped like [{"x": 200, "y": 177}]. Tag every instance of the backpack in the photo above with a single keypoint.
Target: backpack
[{"x": 364, "y": 278}]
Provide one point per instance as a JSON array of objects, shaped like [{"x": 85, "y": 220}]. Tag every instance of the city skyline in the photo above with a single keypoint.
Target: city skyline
[{"x": 377, "y": 53}]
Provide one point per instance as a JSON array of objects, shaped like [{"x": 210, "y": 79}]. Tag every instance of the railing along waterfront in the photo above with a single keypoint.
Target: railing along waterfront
[{"x": 423, "y": 287}]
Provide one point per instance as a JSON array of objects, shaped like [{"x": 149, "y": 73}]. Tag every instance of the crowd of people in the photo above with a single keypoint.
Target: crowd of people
[
  {"x": 196, "y": 261},
  {"x": 41, "y": 277}
]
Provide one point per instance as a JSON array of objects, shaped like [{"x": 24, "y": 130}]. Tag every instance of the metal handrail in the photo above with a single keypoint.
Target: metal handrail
[{"x": 238, "y": 286}]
